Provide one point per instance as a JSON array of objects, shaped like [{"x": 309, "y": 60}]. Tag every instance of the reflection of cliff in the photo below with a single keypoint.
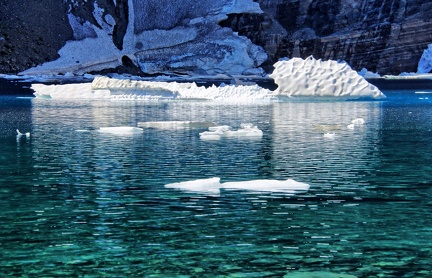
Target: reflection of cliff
[{"x": 385, "y": 36}]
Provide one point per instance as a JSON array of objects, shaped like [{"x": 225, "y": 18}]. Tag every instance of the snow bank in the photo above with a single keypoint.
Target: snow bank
[
  {"x": 212, "y": 186},
  {"x": 321, "y": 79}
]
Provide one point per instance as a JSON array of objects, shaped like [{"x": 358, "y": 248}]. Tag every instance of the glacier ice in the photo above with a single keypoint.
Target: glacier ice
[
  {"x": 68, "y": 91},
  {"x": 126, "y": 89},
  {"x": 156, "y": 42},
  {"x": 212, "y": 186},
  {"x": 425, "y": 63},
  {"x": 297, "y": 78}
]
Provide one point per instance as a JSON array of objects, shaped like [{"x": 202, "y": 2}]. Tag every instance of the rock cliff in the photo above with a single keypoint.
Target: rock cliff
[
  {"x": 384, "y": 36},
  {"x": 184, "y": 37}
]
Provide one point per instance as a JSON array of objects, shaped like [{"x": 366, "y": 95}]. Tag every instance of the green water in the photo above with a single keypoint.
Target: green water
[{"x": 87, "y": 204}]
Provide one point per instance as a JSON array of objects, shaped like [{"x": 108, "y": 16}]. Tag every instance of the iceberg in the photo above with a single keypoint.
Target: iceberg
[
  {"x": 296, "y": 79},
  {"x": 126, "y": 89},
  {"x": 213, "y": 186},
  {"x": 311, "y": 78},
  {"x": 67, "y": 91}
]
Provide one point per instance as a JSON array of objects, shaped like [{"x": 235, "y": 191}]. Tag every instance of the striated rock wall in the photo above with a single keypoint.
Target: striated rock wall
[{"x": 384, "y": 36}]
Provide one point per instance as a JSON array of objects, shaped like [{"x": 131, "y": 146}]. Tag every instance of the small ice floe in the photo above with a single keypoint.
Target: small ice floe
[
  {"x": 209, "y": 186},
  {"x": 212, "y": 186},
  {"x": 329, "y": 135},
  {"x": 356, "y": 122},
  {"x": 20, "y": 134},
  {"x": 282, "y": 186},
  {"x": 217, "y": 132},
  {"x": 121, "y": 130},
  {"x": 175, "y": 124}
]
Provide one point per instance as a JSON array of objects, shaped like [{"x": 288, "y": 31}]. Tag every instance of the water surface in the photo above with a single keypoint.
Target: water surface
[{"x": 79, "y": 203}]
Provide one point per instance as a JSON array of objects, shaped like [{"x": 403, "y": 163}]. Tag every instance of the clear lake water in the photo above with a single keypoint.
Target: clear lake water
[{"x": 79, "y": 203}]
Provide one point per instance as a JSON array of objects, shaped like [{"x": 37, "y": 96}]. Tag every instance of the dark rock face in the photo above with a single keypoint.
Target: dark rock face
[
  {"x": 384, "y": 36},
  {"x": 31, "y": 33}
]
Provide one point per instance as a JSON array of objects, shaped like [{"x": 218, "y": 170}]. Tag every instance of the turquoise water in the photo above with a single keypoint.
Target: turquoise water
[{"x": 87, "y": 204}]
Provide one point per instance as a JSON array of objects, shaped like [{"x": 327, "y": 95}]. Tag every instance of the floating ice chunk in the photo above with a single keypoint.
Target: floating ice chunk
[
  {"x": 120, "y": 130},
  {"x": 246, "y": 130},
  {"x": 358, "y": 121},
  {"x": 27, "y": 134},
  {"x": 321, "y": 79},
  {"x": 309, "y": 78},
  {"x": 210, "y": 136},
  {"x": 175, "y": 124},
  {"x": 287, "y": 186},
  {"x": 127, "y": 89},
  {"x": 247, "y": 125},
  {"x": 219, "y": 128},
  {"x": 67, "y": 91},
  {"x": 21, "y": 135},
  {"x": 213, "y": 185},
  {"x": 329, "y": 135}
]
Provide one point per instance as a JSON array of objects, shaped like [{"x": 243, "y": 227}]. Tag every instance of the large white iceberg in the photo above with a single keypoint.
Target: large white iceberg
[
  {"x": 213, "y": 186},
  {"x": 126, "y": 89},
  {"x": 299, "y": 78},
  {"x": 296, "y": 78}
]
